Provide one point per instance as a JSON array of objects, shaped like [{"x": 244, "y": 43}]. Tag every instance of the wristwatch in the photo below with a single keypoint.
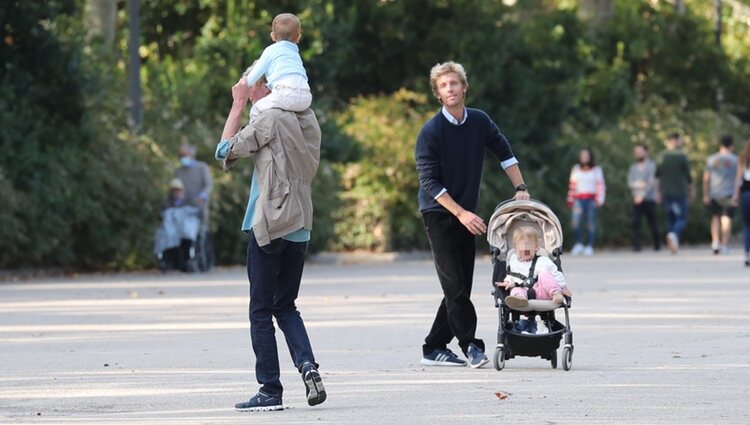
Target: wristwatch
[{"x": 521, "y": 187}]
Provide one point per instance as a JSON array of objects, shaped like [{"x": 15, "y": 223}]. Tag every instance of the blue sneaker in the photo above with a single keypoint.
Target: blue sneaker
[
  {"x": 520, "y": 325},
  {"x": 477, "y": 358},
  {"x": 260, "y": 403},
  {"x": 314, "y": 389},
  {"x": 530, "y": 327},
  {"x": 444, "y": 357}
]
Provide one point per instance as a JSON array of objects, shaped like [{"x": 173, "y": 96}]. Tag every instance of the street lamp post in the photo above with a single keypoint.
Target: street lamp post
[{"x": 134, "y": 67}]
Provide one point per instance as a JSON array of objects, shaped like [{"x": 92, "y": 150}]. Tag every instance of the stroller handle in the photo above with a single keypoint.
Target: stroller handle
[{"x": 507, "y": 201}]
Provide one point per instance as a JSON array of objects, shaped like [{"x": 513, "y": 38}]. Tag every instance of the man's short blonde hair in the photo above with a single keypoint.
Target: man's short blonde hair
[
  {"x": 526, "y": 232},
  {"x": 441, "y": 69},
  {"x": 286, "y": 26}
]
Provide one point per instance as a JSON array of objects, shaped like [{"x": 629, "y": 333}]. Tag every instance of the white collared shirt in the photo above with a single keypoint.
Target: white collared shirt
[{"x": 451, "y": 119}]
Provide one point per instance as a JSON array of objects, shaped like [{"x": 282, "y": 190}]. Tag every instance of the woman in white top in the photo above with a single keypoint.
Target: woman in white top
[
  {"x": 586, "y": 193},
  {"x": 741, "y": 196}
]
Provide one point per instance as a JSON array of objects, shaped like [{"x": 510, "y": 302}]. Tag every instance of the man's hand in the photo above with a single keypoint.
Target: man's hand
[
  {"x": 240, "y": 92},
  {"x": 522, "y": 195},
  {"x": 706, "y": 199},
  {"x": 472, "y": 222}
]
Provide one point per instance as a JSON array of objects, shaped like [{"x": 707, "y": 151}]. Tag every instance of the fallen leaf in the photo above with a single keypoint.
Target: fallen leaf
[{"x": 501, "y": 395}]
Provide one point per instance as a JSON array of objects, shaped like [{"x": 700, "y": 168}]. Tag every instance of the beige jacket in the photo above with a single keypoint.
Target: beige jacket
[{"x": 286, "y": 150}]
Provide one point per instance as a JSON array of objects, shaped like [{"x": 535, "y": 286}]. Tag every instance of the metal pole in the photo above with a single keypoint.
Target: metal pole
[
  {"x": 134, "y": 67},
  {"x": 719, "y": 90}
]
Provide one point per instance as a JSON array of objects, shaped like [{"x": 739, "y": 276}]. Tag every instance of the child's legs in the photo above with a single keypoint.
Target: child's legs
[
  {"x": 519, "y": 291},
  {"x": 269, "y": 102},
  {"x": 546, "y": 286},
  {"x": 293, "y": 99}
]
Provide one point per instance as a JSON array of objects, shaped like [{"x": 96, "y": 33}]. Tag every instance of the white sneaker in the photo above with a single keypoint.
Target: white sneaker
[
  {"x": 577, "y": 249},
  {"x": 588, "y": 251},
  {"x": 724, "y": 250}
]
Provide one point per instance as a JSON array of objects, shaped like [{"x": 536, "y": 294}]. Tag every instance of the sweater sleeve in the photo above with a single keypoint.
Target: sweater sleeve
[
  {"x": 427, "y": 155},
  {"x": 601, "y": 187},
  {"x": 498, "y": 144},
  {"x": 207, "y": 181}
]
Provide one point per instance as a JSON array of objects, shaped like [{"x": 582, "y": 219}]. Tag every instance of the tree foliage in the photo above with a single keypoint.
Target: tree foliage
[{"x": 77, "y": 190}]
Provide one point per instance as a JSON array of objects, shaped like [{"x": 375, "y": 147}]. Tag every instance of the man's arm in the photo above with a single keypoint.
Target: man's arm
[
  {"x": 514, "y": 173},
  {"x": 471, "y": 221},
  {"x": 238, "y": 143},
  {"x": 428, "y": 169},
  {"x": 706, "y": 184},
  {"x": 240, "y": 94}
]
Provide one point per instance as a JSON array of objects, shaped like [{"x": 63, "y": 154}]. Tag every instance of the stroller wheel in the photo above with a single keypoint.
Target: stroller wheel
[
  {"x": 499, "y": 358},
  {"x": 553, "y": 359},
  {"x": 567, "y": 358}
]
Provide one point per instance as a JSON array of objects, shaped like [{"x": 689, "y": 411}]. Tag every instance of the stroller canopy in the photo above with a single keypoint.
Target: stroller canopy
[{"x": 510, "y": 215}]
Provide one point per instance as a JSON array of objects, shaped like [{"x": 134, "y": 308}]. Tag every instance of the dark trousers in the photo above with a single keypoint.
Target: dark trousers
[
  {"x": 745, "y": 209},
  {"x": 647, "y": 209},
  {"x": 275, "y": 271},
  {"x": 454, "y": 252}
]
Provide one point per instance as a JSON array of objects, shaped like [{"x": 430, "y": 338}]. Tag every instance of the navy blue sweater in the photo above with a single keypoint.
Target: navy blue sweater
[{"x": 451, "y": 156}]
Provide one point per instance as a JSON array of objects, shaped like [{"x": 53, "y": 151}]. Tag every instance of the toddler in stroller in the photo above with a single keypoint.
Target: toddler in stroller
[{"x": 526, "y": 244}]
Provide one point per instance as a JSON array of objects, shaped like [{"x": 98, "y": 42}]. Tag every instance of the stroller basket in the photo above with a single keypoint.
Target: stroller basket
[{"x": 532, "y": 345}]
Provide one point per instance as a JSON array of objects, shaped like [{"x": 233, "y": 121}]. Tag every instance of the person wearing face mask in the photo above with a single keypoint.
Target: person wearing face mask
[
  {"x": 196, "y": 178},
  {"x": 644, "y": 194}
]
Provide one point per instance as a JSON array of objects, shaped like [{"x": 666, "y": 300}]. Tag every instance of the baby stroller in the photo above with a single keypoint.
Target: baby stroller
[{"x": 508, "y": 217}]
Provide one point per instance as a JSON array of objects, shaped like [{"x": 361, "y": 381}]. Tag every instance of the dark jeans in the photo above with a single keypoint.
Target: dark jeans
[
  {"x": 676, "y": 209},
  {"x": 647, "y": 209},
  {"x": 275, "y": 271},
  {"x": 454, "y": 252},
  {"x": 745, "y": 210},
  {"x": 588, "y": 208}
]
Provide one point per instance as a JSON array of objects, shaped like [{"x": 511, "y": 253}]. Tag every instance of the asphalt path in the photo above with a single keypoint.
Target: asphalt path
[{"x": 659, "y": 339}]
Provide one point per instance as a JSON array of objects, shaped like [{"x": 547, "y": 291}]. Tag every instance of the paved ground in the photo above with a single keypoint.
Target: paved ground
[{"x": 659, "y": 340}]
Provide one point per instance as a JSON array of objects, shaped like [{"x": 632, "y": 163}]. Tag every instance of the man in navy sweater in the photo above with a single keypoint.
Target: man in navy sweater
[{"x": 450, "y": 155}]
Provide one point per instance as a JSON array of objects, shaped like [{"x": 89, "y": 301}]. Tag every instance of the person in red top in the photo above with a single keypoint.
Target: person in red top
[{"x": 586, "y": 193}]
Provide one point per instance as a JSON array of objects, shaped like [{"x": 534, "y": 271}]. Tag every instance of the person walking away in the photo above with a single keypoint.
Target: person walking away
[
  {"x": 285, "y": 147},
  {"x": 674, "y": 183},
  {"x": 644, "y": 195},
  {"x": 718, "y": 188},
  {"x": 586, "y": 194}
]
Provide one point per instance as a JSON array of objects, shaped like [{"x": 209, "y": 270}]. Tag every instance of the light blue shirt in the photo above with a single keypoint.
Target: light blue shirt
[
  {"x": 301, "y": 235},
  {"x": 278, "y": 60}
]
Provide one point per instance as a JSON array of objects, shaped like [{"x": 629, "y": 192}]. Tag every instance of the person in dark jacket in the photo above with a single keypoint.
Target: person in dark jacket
[{"x": 450, "y": 155}]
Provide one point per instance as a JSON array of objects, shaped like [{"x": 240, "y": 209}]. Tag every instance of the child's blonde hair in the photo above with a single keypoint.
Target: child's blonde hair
[
  {"x": 527, "y": 233},
  {"x": 441, "y": 69},
  {"x": 286, "y": 26}
]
